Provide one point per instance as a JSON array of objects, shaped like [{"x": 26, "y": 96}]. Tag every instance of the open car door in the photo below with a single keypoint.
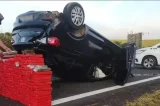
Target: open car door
[
  {"x": 123, "y": 65},
  {"x": 1, "y": 18}
]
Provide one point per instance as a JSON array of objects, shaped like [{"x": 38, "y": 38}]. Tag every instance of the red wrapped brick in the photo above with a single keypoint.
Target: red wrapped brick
[{"x": 18, "y": 82}]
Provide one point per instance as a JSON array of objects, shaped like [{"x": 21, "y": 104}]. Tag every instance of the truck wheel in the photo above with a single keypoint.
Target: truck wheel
[
  {"x": 74, "y": 14},
  {"x": 149, "y": 62}
]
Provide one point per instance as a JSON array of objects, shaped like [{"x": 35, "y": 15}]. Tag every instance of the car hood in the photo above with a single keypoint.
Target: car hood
[
  {"x": 146, "y": 48},
  {"x": 143, "y": 48}
]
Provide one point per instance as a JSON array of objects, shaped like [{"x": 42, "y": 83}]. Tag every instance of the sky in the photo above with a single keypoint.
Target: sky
[{"x": 112, "y": 19}]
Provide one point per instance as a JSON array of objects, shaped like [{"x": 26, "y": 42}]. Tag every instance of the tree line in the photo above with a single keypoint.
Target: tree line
[{"x": 6, "y": 38}]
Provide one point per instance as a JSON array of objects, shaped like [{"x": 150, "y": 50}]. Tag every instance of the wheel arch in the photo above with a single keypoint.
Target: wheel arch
[{"x": 150, "y": 56}]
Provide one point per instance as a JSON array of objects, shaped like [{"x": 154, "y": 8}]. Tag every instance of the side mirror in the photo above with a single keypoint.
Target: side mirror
[{"x": 1, "y": 18}]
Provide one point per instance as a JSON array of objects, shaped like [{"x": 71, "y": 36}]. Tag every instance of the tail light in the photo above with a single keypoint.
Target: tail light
[
  {"x": 12, "y": 41},
  {"x": 53, "y": 41}
]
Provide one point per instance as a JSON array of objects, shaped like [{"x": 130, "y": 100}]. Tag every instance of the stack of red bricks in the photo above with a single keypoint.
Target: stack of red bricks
[{"x": 23, "y": 78}]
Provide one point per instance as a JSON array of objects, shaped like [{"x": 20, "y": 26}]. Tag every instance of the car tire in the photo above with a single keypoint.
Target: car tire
[
  {"x": 149, "y": 62},
  {"x": 74, "y": 15}
]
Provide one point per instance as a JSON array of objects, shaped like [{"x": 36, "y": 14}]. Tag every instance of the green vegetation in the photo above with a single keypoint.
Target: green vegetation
[
  {"x": 152, "y": 99},
  {"x": 6, "y": 38},
  {"x": 145, "y": 43},
  {"x": 119, "y": 43},
  {"x": 122, "y": 41}
]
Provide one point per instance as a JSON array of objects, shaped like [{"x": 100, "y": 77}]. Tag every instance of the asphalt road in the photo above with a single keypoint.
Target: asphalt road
[{"x": 62, "y": 89}]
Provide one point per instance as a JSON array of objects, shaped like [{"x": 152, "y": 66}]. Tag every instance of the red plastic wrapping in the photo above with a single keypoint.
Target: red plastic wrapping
[{"x": 20, "y": 83}]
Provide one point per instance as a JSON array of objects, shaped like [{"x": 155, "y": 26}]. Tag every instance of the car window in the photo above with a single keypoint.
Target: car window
[{"x": 158, "y": 46}]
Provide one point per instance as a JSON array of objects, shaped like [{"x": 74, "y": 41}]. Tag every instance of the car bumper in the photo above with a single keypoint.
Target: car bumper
[
  {"x": 40, "y": 47},
  {"x": 22, "y": 46}
]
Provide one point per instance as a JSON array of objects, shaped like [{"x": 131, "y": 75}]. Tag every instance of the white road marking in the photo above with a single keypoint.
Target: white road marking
[
  {"x": 83, "y": 95},
  {"x": 146, "y": 74}
]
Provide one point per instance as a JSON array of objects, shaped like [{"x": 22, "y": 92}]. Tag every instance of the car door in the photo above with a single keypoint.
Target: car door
[{"x": 123, "y": 65}]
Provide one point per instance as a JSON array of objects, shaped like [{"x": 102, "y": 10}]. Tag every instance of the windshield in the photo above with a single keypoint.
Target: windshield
[
  {"x": 33, "y": 15},
  {"x": 27, "y": 17}
]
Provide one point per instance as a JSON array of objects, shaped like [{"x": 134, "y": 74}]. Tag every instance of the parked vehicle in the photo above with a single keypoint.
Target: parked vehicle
[
  {"x": 71, "y": 48},
  {"x": 148, "y": 57}
]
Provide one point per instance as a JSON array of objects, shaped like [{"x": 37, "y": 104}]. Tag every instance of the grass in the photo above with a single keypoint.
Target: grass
[
  {"x": 148, "y": 99},
  {"x": 145, "y": 43}
]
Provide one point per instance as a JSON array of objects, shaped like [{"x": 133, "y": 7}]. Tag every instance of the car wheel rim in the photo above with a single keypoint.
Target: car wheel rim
[
  {"x": 77, "y": 16},
  {"x": 148, "y": 63}
]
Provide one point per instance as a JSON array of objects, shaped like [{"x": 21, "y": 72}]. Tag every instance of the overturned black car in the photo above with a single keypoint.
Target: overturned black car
[{"x": 72, "y": 49}]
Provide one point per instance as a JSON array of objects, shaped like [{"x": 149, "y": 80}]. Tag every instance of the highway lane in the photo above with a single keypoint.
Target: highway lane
[
  {"x": 116, "y": 97},
  {"x": 62, "y": 89}
]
